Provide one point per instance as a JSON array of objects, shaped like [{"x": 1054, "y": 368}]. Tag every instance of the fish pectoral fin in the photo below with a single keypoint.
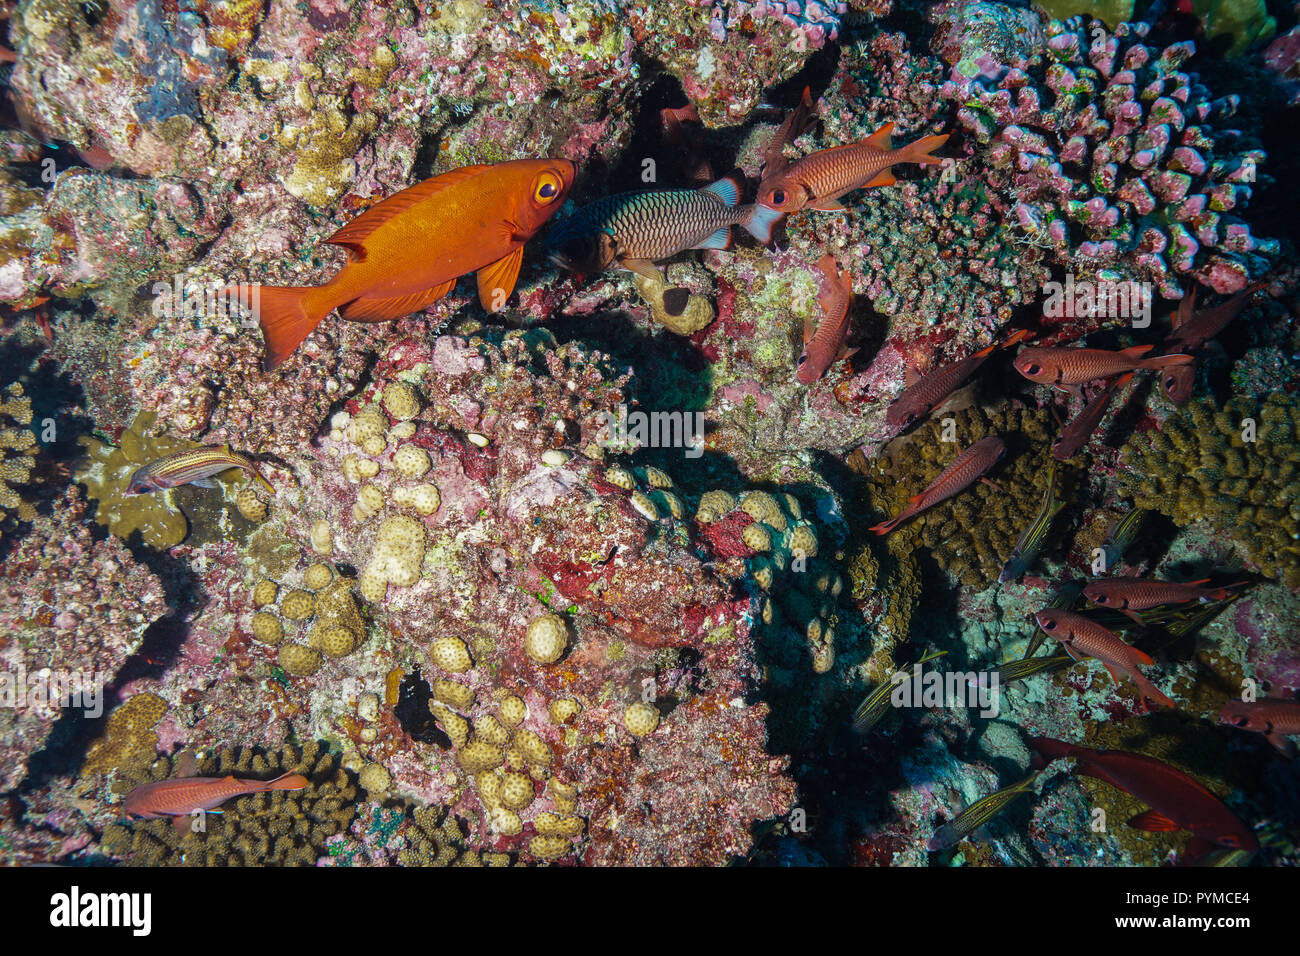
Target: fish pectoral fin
[
  {"x": 884, "y": 178},
  {"x": 717, "y": 240},
  {"x": 1111, "y": 671},
  {"x": 497, "y": 281},
  {"x": 845, "y": 353},
  {"x": 374, "y": 309},
  {"x": 809, "y": 329},
  {"x": 645, "y": 269},
  {"x": 1153, "y": 821},
  {"x": 203, "y": 483},
  {"x": 354, "y": 234},
  {"x": 829, "y": 205}
]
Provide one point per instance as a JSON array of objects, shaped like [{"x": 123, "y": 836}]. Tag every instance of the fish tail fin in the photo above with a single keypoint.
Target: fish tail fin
[
  {"x": 285, "y": 317},
  {"x": 919, "y": 152},
  {"x": 1167, "y": 361},
  {"x": 1150, "y": 692},
  {"x": 288, "y": 781},
  {"x": 886, "y": 526},
  {"x": 761, "y": 221}
]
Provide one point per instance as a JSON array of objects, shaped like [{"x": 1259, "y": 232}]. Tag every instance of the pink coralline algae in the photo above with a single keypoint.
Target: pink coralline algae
[
  {"x": 72, "y": 610},
  {"x": 1114, "y": 158}
]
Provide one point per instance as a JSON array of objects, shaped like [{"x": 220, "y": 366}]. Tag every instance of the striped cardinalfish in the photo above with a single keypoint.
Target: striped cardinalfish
[
  {"x": 1029, "y": 666},
  {"x": 876, "y": 704},
  {"x": 977, "y": 814},
  {"x": 1032, "y": 538},
  {"x": 634, "y": 230},
  {"x": 193, "y": 467},
  {"x": 1122, "y": 534}
]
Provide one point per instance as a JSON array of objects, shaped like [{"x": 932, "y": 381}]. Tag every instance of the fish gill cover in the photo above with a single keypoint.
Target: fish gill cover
[{"x": 564, "y": 561}]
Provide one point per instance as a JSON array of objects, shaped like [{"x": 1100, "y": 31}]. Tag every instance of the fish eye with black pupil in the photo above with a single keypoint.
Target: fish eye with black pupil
[{"x": 778, "y": 196}]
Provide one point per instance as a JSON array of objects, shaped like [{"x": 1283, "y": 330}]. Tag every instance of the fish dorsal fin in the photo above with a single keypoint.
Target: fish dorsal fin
[
  {"x": 497, "y": 281},
  {"x": 882, "y": 138},
  {"x": 230, "y": 778},
  {"x": 1201, "y": 581},
  {"x": 727, "y": 188},
  {"x": 1153, "y": 821},
  {"x": 1136, "y": 351},
  {"x": 355, "y": 233}
]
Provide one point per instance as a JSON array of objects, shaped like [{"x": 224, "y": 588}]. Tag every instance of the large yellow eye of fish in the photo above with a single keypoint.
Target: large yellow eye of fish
[{"x": 546, "y": 188}]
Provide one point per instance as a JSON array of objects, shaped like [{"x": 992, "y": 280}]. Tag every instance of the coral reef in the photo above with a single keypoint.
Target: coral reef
[
  {"x": 1199, "y": 466},
  {"x": 17, "y": 444}
]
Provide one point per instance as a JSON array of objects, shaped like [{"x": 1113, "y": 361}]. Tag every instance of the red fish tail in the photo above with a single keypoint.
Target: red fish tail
[
  {"x": 1166, "y": 361},
  {"x": 919, "y": 152},
  {"x": 887, "y": 526},
  {"x": 288, "y": 781},
  {"x": 286, "y": 317},
  {"x": 1150, "y": 692}
]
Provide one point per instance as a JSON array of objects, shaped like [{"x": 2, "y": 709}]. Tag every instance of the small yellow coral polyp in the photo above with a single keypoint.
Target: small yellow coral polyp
[{"x": 107, "y": 474}]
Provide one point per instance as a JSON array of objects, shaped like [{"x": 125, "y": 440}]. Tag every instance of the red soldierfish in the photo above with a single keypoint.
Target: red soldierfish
[
  {"x": 969, "y": 466},
  {"x": 181, "y": 796},
  {"x": 1076, "y": 434},
  {"x": 1177, "y": 801},
  {"x": 1276, "y": 718},
  {"x": 193, "y": 467},
  {"x": 1191, "y": 331},
  {"x": 1069, "y": 368},
  {"x": 918, "y": 399},
  {"x": 1082, "y": 637},
  {"x": 818, "y": 180},
  {"x": 825, "y": 347},
  {"x": 1131, "y": 595},
  {"x": 407, "y": 252}
]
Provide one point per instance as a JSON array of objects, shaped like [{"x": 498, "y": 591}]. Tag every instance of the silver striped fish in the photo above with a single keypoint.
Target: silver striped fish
[{"x": 193, "y": 467}]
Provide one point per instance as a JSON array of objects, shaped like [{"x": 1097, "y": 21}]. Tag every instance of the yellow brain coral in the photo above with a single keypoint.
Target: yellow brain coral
[{"x": 546, "y": 638}]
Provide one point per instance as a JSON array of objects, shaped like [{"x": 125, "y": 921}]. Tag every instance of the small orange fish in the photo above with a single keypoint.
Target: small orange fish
[
  {"x": 919, "y": 399},
  {"x": 1192, "y": 329},
  {"x": 181, "y": 796},
  {"x": 407, "y": 252},
  {"x": 1068, "y": 368},
  {"x": 825, "y": 347},
  {"x": 1276, "y": 718},
  {"x": 1076, "y": 434},
  {"x": 818, "y": 180},
  {"x": 961, "y": 472},
  {"x": 1082, "y": 638}
]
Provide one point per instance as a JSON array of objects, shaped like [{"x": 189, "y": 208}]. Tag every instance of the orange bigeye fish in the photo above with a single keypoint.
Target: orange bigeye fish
[
  {"x": 1192, "y": 330},
  {"x": 1068, "y": 368},
  {"x": 182, "y": 796},
  {"x": 968, "y": 467},
  {"x": 1076, "y": 434},
  {"x": 1082, "y": 638},
  {"x": 818, "y": 180},
  {"x": 406, "y": 252},
  {"x": 920, "y": 398},
  {"x": 825, "y": 347}
]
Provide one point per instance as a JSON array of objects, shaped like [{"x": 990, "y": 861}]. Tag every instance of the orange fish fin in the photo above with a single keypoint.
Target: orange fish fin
[
  {"x": 354, "y": 234},
  {"x": 182, "y": 823},
  {"x": 881, "y": 138},
  {"x": 910, "y": 376},
  {"x": 809, "y": 329},
  {"x": 1142, "y": 657},
  {"x": 375, "y": 309},
  {"x": 1201, "y": 581},
  {"x": 285, "y": 318},
  {"x": 1075, "y": 655},
  {"x": 1136, "y": 351},
  {"x": 497, "y": 281},
  {"x": 1015, "y": 338},
  {"x": 919, "y": 152},
  {"x": 644, "y": 268},
  {"x": 1111, "y": 671},
  {"x": 1152, "y": 821},
  {"x": 884, "y": 178},
  {"x": 829, "y": 205},
  {"x": 845, "y": 352}
]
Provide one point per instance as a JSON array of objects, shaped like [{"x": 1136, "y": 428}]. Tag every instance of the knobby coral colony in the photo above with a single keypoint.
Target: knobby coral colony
[{"x": 427, "y": 587}]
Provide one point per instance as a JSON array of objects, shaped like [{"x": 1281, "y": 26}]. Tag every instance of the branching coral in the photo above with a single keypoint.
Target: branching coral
[
  {"x": 16, "y": 459},
  {"x": 1200, "y": 466}
]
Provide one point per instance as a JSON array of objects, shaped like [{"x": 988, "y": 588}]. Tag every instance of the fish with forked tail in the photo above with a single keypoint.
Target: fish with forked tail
[
  {"x": 1068, "y": 368},
  {"x": 920, "y": 398},
  {"x": 193, "y": 467},
  {"x": 818, "y": 180},
  {"x": 968, "y": 467},
  {"x": 633, "y": 230},
  {"x": 1032, "y": 538},
  {"x": 182, "y": 796},
  {"x": 406, "y": 252},
  {"x": 977, "y": 814},
  {"x": 1131, "y": 595},
  {"x": 1082, "y": 637},
  {"x": 824, "y": 347}
]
